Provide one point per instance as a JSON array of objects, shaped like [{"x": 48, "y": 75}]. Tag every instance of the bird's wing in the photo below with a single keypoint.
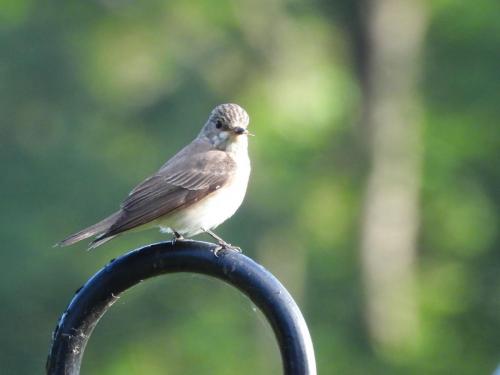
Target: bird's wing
[{"x": 178, "y": 184}]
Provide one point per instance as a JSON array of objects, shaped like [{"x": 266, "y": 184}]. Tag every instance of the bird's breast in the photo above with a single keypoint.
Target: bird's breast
[{"x": 215, "y": 208}]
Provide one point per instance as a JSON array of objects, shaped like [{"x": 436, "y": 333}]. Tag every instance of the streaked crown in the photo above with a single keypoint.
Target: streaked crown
[{"x": 230, "y": 114}]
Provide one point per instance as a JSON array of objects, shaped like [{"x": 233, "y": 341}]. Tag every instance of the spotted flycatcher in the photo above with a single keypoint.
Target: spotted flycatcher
[{"x": 196, "y": 190}]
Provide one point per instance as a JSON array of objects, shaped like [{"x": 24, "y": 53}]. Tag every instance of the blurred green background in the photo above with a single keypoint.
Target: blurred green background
[{"x": 375, "y": 192}]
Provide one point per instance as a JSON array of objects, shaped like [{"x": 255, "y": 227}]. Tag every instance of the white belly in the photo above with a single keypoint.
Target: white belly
[{"x": 212, "y": 210}]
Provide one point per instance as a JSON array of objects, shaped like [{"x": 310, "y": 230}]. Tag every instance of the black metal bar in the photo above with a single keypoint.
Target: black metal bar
[{"x": 91, "y": 302}]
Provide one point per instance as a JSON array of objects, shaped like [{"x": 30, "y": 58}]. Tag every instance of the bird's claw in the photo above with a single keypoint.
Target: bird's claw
[
  {"x": 235, "y": 248},
  {"x": 177, "y": 237},
  {"x": 226, "y": 246},
  {"x": 217, "y": 249},
  {"x": 222, "y": 245}
]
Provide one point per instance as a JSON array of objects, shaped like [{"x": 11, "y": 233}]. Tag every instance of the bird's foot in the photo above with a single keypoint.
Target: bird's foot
[
  {"x": 177, "y": 237},
  {"x": 222, "y": 245}
]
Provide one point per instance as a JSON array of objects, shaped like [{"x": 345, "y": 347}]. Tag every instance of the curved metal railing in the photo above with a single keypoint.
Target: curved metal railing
[{"x": 92, "y": 301}]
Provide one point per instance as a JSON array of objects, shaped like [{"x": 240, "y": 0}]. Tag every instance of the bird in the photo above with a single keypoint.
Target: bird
[{"x": 196, "y": 190}]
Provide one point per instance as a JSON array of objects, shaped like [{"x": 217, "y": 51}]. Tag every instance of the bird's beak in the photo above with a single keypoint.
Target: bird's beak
[{"x": 239, "y": 130}]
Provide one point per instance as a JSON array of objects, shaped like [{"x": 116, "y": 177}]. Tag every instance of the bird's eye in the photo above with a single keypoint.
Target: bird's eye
[{"x": 218, "y": 124}]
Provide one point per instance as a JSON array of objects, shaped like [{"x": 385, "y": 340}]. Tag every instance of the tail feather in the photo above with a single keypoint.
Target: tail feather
[
  {"x": 101, "y": 239},
  {"x": 97, "y": 229}
]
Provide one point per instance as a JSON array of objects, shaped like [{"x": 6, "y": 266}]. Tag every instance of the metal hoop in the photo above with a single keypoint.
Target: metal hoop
[{"x": 100, "y": 292}]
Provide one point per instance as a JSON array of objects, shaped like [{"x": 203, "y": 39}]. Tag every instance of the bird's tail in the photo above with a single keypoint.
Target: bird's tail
[{"x": 97, "y": 229}]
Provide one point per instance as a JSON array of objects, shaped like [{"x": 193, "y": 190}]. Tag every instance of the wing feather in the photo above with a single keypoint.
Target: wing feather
[{"x": 177, "y": 184}]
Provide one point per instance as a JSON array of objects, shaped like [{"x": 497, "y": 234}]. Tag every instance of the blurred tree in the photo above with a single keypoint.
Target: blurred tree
[
  {"x": 392, "y": 126},
  {"x": 96, "y": 95}
]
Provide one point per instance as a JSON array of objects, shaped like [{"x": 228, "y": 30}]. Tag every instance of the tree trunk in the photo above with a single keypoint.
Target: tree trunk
[{"x": 392, "y": 125}]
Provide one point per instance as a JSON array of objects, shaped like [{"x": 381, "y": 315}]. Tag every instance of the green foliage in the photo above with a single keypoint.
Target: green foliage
[{"x": 96, "y": 95}]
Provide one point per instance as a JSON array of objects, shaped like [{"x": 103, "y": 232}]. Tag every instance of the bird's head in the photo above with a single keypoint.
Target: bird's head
[{"x": 226, "y": 124}]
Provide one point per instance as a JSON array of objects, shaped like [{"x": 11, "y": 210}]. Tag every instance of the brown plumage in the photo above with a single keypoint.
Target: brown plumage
[{"x": 202, "y": 168}]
